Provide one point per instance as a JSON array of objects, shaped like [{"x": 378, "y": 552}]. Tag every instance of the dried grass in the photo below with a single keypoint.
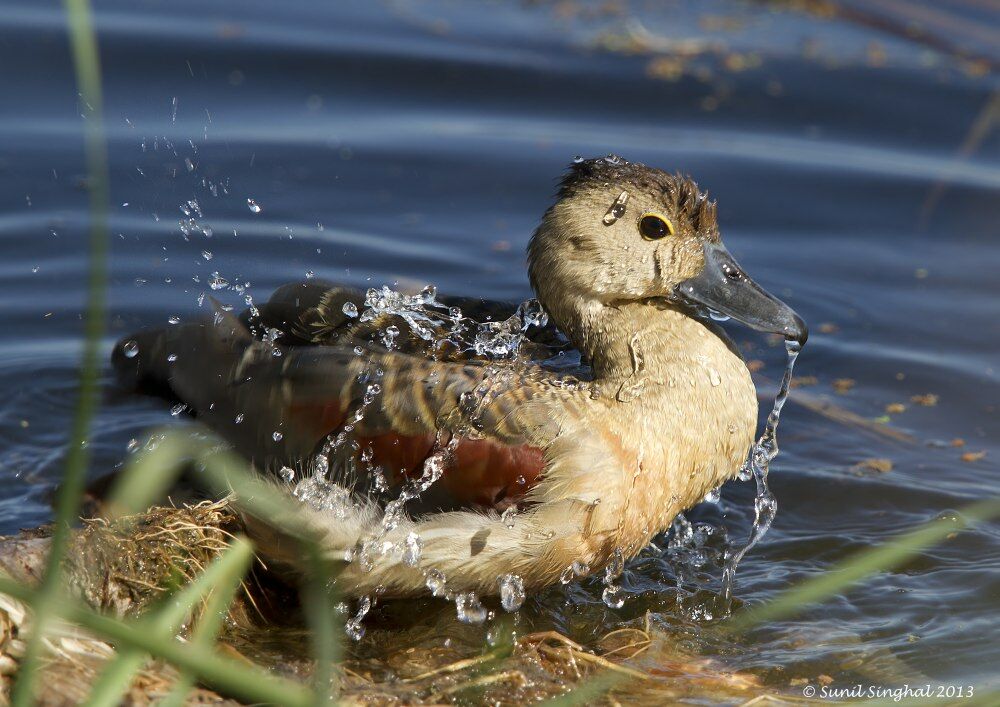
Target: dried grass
[{"x": 125, "y": 567}]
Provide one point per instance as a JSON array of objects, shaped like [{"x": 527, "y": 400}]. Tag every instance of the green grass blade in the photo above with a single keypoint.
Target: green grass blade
[
  {"x": 316, "y": 599},
  {"x": 225, "y": 472},
  {"x": 225, "y": 572},
  {"x": 212, "y": 618},
  {"x": 862, "y": 564},
  {"x": 147, "y": 477},
  {"x": 223, "y": 674},
  {"x": 83, "y": 43}
]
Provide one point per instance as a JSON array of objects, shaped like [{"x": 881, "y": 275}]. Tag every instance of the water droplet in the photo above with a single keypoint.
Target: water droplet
[
  {"x": 613, "y": 596},
  {"x": 217, "y": 282},
  {"x": 567, "y": 576},
  {"x": 578, "y": 159},
  {"x": 350, "y": 309},
  {"x": 277, "y": 436},
  {"x": 130, "y": 349},
  {"x": 178, "y": 409},
  {"x": 580, "y": 568},
  {"x": 616, "y": 210},
  {"x": 507, "y": 517},
  {"x": 714, "y": 378},
  {"x": 616, "y": 565},
  {"x": 287, "y": 474},
  {"x": 436, "y": 582},
  {"x": 354, "y": 627},
  {"x": 756, "y": 467},
  {"x": 511, "y": 592},
  {"x": 532, "y": 314},
  {"x": 713, "y": 496},
  {"x": 171, "y": 357},
  {"x": 469, "y": 609},
  {"x": 310, "y": 274},
  {"x": 239, "y": 419},
  {"x": 254, "y": 206},
  {"x": 389, "y": 336},
  {"x": 173, "y": 319},
  {"x": 411, "y": 550},
  {"x": 206, "y": 254}
]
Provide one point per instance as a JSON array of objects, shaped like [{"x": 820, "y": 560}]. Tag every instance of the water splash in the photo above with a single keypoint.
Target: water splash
[
  {"x": 757, "y": 466},
  {"x": 408, "y": 320},
  {"x": 411, "y": 550},
  {"x": 613, "y": 595},
  {"x": 469, "y": 609},
  {"x": 512, "y": 592},
  {"x": 354, "y": 627}
]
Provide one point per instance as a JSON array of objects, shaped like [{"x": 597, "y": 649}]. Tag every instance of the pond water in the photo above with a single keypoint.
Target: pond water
[{"x": 854, "y": 159}]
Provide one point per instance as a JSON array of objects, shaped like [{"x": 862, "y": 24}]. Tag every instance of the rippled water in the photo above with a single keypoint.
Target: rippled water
[{"x": 376, "y": 143}]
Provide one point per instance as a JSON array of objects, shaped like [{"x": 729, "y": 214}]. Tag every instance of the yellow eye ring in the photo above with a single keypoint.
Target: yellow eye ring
[{"x": 654, "y": 226}]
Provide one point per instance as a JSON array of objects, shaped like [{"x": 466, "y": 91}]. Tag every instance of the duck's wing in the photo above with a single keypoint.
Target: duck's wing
[
  {"x": 281, "y": 404},
  {"x": 316, "y": 312}
]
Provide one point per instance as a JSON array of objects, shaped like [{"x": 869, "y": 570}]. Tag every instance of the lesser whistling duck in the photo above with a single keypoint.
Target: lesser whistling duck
[{"x": 596, "y": 461}]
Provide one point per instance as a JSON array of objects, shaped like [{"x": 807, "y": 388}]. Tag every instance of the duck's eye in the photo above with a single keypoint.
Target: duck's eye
[{"x": 655, "y": 226}]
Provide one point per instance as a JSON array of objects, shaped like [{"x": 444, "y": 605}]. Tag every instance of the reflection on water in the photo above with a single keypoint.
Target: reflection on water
[{"x": 855, "y": 165}]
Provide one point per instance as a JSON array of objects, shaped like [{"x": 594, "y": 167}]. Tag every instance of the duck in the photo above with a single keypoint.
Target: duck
[{"x": 430, "y": 464}]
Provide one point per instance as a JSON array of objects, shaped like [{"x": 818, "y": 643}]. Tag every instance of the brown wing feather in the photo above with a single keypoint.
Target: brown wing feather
[{"x": 248, "y": 390}]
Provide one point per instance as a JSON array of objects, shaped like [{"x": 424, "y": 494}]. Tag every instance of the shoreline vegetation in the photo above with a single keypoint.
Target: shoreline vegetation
[{"x": 175, "y": 603}]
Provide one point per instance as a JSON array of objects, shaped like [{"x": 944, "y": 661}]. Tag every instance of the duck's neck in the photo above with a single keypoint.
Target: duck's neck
[{"x": 638, "y": 338}]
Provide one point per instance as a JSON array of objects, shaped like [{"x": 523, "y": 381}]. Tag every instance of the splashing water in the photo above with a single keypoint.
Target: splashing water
[
  {"x": 354, "y": 627},
  {"x": 469, "y": 609},
  {"x": 440, "y": 326},
  {"x": 757, "y": 466},
  {"x": 512, "y": 592},
  {"x": 613, "y": 595}
]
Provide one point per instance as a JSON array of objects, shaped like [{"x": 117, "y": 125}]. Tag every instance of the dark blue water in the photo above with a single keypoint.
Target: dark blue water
[{"x": 856, "y": 170}]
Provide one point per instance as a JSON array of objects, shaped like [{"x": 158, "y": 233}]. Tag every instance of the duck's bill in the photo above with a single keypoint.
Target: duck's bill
[{"x": 724, "y": 287}]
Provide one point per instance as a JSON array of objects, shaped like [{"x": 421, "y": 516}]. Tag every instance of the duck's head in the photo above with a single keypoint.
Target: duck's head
[{"x": 623, "y": 232}]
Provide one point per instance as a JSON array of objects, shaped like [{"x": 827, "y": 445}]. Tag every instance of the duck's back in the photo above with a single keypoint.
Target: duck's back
[{"x": 283, "y": 381}]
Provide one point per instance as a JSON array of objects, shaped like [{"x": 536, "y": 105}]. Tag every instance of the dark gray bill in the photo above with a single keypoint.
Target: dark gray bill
[{"x": 723, "y": 286}]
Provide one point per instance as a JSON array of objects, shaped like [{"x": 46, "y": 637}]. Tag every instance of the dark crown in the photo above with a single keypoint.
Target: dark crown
[{"x": 679, "y": 192}]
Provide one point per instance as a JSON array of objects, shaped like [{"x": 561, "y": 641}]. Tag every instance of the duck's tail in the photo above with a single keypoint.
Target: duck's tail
[
  {"x": 564, "y": 528},
  {"x": 448, "y": 552}
]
